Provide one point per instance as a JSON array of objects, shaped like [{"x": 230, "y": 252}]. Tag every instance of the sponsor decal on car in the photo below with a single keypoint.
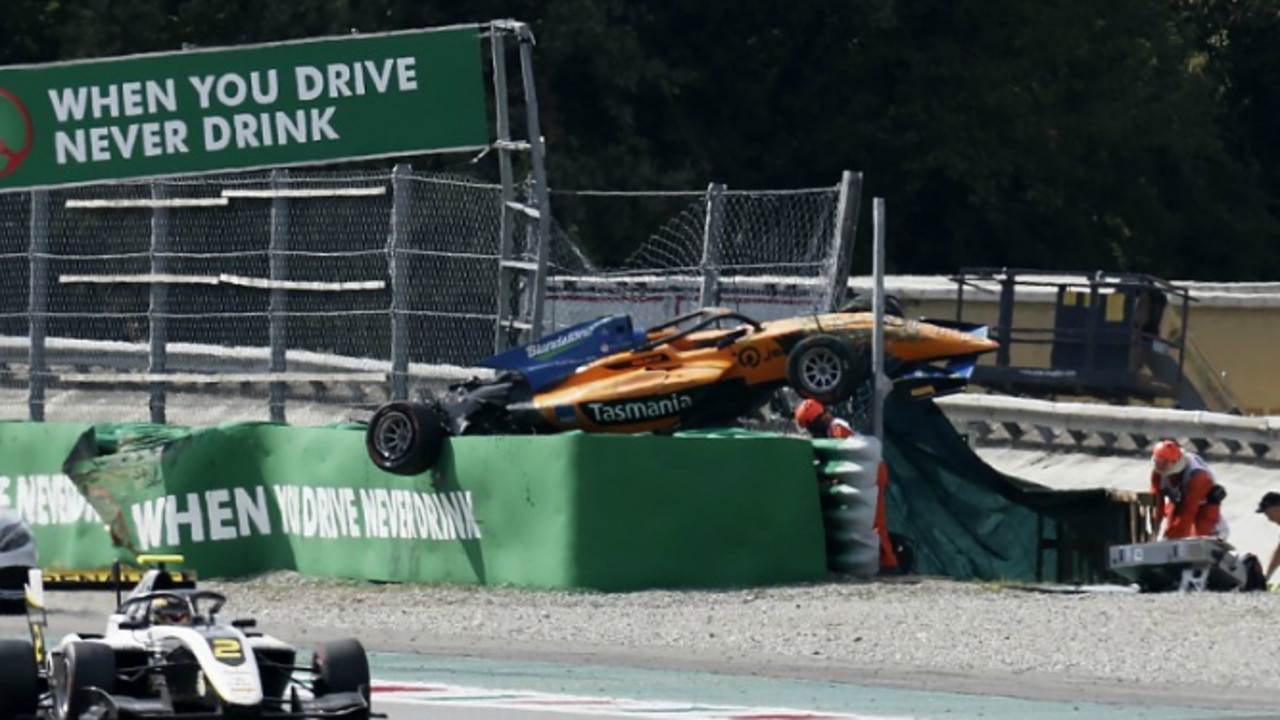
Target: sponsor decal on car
[
  {"x": 565, "y": 415},
  {"x": 227, "y": 650},
  {"x": 556, "y": 345},
  {"x": 621, "y": 412},
  {"x": 749, "y": 357}
]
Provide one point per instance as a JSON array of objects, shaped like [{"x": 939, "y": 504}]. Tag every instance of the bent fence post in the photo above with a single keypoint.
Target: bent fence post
[
  {"x": 845, "y": 228},
  {"x": 712, "y": 231}
]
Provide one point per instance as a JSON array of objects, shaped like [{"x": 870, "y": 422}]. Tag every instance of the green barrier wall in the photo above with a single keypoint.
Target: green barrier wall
[
  {"x": 559, "y": 511},
  {"x": 68, "y": 534}
]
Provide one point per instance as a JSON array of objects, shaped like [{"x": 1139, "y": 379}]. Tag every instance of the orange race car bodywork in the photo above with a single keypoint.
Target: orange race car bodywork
[
  {"x": 661, "y": 385},
  {"x": 703, "y": 369}
]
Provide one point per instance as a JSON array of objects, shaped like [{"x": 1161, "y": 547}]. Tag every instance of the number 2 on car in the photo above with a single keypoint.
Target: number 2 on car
[{"x": 227, "y": 649}]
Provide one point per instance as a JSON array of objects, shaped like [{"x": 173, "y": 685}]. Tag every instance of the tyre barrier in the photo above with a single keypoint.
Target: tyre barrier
[{"x": 846, "y": 471}]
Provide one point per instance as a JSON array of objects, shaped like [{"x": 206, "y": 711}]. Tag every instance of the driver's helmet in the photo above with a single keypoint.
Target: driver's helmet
[
  {"x": 1167, "y": 458},
  {"x": 170, "y": 611}
]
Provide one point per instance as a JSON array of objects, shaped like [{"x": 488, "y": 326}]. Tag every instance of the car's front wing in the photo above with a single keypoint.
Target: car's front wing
[{"x": 332, "y": 705}]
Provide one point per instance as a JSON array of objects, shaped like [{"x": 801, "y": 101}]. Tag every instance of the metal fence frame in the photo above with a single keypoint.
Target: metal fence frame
[
  {"x": 282, "y": 190},
  {"x": 158, "y": 376}
]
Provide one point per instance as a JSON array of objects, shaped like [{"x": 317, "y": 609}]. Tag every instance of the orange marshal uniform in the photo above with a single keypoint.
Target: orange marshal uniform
[{"x": 1188, "y": 498}]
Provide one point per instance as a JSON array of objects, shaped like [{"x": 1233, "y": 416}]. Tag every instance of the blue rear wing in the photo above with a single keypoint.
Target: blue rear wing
[
  {"x": 929, "y": 381},
  {"x": 936, "y": 380},
  {"x": 552, "y": 358}
]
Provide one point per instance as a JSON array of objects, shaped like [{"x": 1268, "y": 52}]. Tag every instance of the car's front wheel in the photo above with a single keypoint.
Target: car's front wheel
[
  {"x": 86, "y": 669},
  {"x": 341, "y": 666},
  {"x": 405, "y": 438},
  {"x": 825, "y": 368}
]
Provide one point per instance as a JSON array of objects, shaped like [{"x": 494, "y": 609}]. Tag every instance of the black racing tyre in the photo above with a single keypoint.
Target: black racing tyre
[
  {"x": 341, "y": 666},
  {"x": 19, "y": 679},
  {"x": 84, "y": 665},
  {"x": 825, "y": 368},
  {"x": 405, "y": 438}
]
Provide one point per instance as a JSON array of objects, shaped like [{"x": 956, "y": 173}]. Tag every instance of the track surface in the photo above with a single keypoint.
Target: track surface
[
  {"x": 485, "y": 680},
  {"x": 714, "y": 683}
]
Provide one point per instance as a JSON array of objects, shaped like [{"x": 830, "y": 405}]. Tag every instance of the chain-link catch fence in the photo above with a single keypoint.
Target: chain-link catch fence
[{"x": 314, "y": 296}]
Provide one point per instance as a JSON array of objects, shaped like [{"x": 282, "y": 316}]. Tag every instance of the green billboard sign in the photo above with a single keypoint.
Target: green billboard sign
[{"x": 225, "y": 109}]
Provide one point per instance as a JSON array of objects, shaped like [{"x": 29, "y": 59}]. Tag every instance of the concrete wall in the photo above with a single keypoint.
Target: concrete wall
[{"x": 1238, "y": 333}]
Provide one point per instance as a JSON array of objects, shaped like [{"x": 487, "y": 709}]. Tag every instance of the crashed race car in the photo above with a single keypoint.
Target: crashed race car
[
  {"x": 702, "y": 369},
  {"x": 167, "y": 654}
]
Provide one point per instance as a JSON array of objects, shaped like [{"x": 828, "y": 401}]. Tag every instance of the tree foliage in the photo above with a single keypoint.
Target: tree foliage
[{"x": 1073, "y": 134}]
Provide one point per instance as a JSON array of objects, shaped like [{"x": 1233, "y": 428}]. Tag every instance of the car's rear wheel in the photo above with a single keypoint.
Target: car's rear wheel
[
  {"x": 825, "y": 368},
  {"x": 19, "y": 679},
  {"x": 405, "y": 438},
  {"x": 341, "y": 666},
  {"x": 84, "y": 666}
]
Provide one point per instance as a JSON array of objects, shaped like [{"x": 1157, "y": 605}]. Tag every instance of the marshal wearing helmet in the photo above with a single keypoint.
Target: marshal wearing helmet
[
  {"x": 1188, "y": 496},
  {"x": 814, "y": 418}
]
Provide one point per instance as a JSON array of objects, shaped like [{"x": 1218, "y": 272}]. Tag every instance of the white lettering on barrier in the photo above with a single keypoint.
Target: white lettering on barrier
[
  {"x": 352, "y": 513},
  {"x": 310, "y": 520},
  {"x": 403, "y": 525},
  {"x": 305, "y": 512},
  {"x": 420, "y": 514},
  {"x": 285, "y": 502},
  {"x": 410, "y": 515},
  {"x": 190, "y": 517},
  {"x": 317, "y": 512},
  {"x": 384, "y": 513},
  {"x": 148, "y": 521},
  {"x": 228, "y": 514},
  {"x": 370, "y": 512},
  {"x": 219, "y": 514},
  {"x": 244, "y": 508},
  {"x": 403, "y": 514},
  {"x": 326, "y": 507},
  {"x": 253, "y": 509},
  {"x": 46, "y": 499},
  {"x": 433, "y": 526}
]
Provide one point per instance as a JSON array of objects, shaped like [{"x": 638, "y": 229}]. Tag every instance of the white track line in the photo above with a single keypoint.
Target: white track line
[{"x": 410, "y": 693}]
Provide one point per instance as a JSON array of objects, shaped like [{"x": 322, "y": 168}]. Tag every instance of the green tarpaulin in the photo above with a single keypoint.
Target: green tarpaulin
[{"x": 964, "y": 519}]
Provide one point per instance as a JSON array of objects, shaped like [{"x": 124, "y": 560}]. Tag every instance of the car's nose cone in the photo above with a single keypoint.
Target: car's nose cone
[{"x": 918, "y": 340}]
